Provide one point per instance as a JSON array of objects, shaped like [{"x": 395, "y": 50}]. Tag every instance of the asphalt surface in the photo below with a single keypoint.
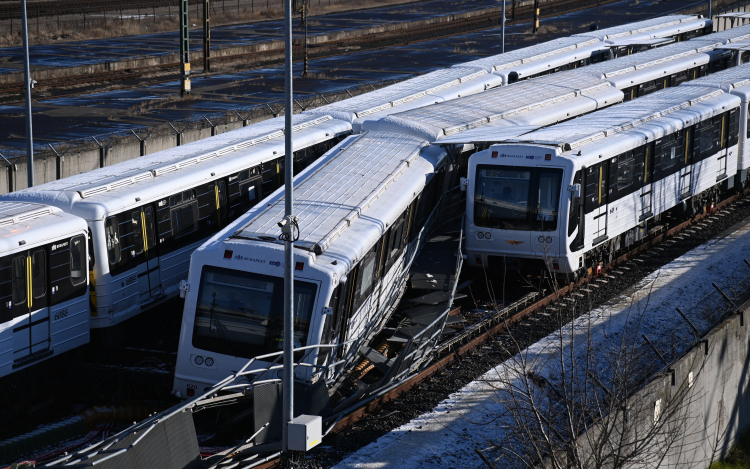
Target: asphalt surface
[{"x": 106, "y": 114}]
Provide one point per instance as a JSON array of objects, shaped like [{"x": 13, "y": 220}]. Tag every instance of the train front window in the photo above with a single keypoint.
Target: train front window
[
  {"x": 517, "y": 198},
  {"x": 241, "y": 313}
]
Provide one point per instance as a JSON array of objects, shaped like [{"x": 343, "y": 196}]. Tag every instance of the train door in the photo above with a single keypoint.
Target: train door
[
  {"x": 29, "y": 300},
  {"x": 596, "y": 201},
  {"x": 644, "y": 156},
  {"x": 686, "y": 164},
  {"x": 144, "y": 243}
]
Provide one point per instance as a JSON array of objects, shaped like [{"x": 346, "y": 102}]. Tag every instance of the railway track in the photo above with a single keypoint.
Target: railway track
[{"x": 143, "y": 76}]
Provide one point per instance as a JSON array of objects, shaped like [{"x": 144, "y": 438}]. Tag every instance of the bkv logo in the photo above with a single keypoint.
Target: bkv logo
[{"x": 276, "y": 263}]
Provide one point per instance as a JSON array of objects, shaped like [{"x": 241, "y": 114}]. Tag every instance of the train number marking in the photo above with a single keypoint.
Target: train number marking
[{"x": 61, "y": 314}]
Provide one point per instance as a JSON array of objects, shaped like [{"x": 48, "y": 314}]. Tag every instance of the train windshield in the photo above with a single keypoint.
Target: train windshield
[
  {"x": 517, "y": 197},
  {"x": 242, "y": 313}
]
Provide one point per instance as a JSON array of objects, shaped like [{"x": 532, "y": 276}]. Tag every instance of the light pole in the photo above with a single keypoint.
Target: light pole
[
  {"x": 27, "y": 89},
  {"x": 502, "y": 36},
  {"x": 288, "y": 230}
]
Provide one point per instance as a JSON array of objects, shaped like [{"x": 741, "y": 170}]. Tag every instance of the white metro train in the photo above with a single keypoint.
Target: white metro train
[
  {"x": 568, "y": 197},
  {"x": 146, "y": 216},
  {"x": 44, "y": 287},
  {"x": 356, "y": 243}
]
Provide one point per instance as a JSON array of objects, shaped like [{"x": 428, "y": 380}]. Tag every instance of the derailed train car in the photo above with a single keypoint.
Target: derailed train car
[{"x": 364, "y": 212}]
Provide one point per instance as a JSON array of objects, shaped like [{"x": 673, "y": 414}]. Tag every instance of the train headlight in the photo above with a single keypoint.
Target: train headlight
[
  {"x": 488, "y": 235},
  {"x": 209, "y": 361},
  {"x": 480, "y": 235},
  {"x": 549, "y": 240},
  {"x": 198, "y": 360},
  {"x": 540, "y": 239}
]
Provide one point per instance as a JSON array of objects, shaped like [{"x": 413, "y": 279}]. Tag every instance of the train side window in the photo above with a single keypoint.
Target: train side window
[
  {"x": 396, "y": 240},
  {"x": 625, "y": 169},
  {"x": 250, "y": 193},
  {"x": 706, "y": 138},
  {"x": 38, "y": 275},
  {"x": 184, "y": 213},
  {"x": 78, "y": 260},
  {"x": 112, "y": 235},
  {"x": 366, "y": 276},
  {"x": 135, "y": 218},
  {"x": 19, "y": 280},
  {"x": 148, "y": 217},
  {"x": 574, "y": 211},
  {"x": 221, "y": 192},
  {"x": 596, "y": 187}
]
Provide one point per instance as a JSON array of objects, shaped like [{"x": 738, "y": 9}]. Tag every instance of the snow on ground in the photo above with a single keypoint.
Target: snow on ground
[{"x": 447, "y": 436}]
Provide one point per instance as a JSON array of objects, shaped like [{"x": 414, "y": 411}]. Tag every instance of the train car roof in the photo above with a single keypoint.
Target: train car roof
[
  {"x": 651, "y": 58},
  {"x": 538, "y": 52},
  {"x": 410, "y": 93},
  {"x": 116, "y": 187},
  {"x": 586, "y": 130},
  {"x": 348, "y": 199},
  {"x": 23, "y": 225},
  {"x": 728, "y": 36},
  {"x": 652, "y": 26},
  {"x": 727, "y": 80},
  {"x": 536, "y": 102},
  {"x": 665, "y": 31}
]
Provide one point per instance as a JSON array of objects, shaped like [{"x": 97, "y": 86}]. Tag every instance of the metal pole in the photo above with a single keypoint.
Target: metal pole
[
  {"x": 535, "y": 27},
  {"x": 206, "y": 36},
  {"x": 288, "y": 377},
  {"x": 29, "y": 85},
  {"x": 305, "y": 11},
  {"x": 184, "y": 48},
  {"x": 502, "y": 36},
  {"x": 709, "y": 11}
]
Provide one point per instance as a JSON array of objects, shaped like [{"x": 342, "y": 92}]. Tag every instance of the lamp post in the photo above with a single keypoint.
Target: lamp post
[
  {"x": 29, "y": 83},
  {"x": 288, "y": 229}
]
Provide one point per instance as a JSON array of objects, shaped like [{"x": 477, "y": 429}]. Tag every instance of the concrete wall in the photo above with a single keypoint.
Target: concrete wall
[{"x": 702, "y": 400}]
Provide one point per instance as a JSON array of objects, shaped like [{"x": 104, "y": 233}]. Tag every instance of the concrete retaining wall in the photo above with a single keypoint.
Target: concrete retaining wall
[{"x": 701, "y": 402}]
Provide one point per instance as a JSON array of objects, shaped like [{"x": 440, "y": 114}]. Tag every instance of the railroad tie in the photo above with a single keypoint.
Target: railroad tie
[
  {"x": 593, "y": 285},
  {"x": 586, "y": 290},
  {"x": 603, "y": 281}
]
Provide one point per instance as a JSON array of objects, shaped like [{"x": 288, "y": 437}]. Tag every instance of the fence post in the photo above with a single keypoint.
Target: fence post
[
  {"x": 102, "y": 153},
  {"x": 11, "y": 168},
  {"x": 179, "y": 135},
  {"x": 213, "y": 127},
  {"x": 60, "y": 159},
  {"x": 142, "y": 142},
  {"x": 244, "y": 121}
]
